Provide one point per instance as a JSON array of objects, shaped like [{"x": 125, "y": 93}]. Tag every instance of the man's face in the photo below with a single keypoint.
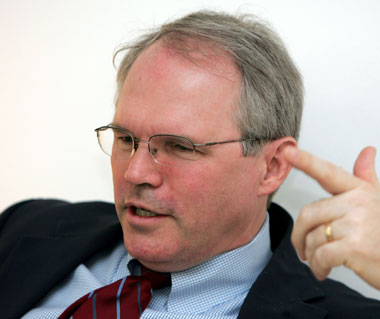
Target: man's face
[{"x": 207, "y": 206}]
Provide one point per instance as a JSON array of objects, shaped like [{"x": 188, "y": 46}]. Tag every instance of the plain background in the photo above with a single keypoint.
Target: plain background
[{"x": 57, "y": 85}]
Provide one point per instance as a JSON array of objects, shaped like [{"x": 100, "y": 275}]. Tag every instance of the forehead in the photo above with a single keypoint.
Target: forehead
[{"x": 169, "y": 89}]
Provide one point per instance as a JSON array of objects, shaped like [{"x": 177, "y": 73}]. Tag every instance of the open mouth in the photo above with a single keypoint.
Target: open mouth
[{"x": 144, "y": 213}]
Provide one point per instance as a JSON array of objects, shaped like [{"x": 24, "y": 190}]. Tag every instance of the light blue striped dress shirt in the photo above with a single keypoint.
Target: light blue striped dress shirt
[{"x": 214, "y": 289}]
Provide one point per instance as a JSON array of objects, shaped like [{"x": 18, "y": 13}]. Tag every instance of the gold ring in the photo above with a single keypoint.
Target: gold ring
[{"x": 328, "y": 232}]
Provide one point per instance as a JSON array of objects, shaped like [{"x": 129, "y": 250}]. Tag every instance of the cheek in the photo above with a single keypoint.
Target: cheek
[
  {"x": 198, "y": 191},
  {"x": 118, "y": 179},
  {"x": 193, "y": 185},
  {"x": 219, "y": 186}
]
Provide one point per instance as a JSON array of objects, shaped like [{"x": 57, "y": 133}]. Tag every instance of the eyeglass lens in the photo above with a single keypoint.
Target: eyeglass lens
[{"x": 165, "y": 149}]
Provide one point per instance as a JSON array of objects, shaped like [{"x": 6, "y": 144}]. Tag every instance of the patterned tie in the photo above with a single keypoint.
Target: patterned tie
[{"x": 125, "y": 298}]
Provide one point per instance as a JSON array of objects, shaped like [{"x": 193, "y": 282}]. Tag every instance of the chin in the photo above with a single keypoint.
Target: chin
[{"x": 150, "y": 253}]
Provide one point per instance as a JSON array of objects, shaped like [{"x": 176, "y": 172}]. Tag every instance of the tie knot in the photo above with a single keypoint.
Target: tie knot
[{"x": 157, "y": 279}]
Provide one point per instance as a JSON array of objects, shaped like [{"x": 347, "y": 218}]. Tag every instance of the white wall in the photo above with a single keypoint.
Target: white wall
[{"x": 57, "y": 85}]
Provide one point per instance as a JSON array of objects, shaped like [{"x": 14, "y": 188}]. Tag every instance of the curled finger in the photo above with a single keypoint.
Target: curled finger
[
  {"x": 314, "y": 239},
  {"x": 313, "y": 216},
  {"x": 326, "y": 257}
]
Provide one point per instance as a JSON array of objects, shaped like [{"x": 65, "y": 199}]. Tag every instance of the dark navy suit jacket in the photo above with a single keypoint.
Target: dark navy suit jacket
[{"x": 43, "y": 241}]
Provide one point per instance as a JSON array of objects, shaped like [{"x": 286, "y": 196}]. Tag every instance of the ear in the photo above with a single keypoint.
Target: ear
[{"x": 277, "y": 167}]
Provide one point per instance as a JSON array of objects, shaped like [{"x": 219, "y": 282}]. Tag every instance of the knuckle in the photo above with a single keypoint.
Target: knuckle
[
  {"x": 305, "y": 216},
  {"x": 355, "y": 265},
  {"x": 309, "y": 240},
  {"x": 358, "y": 197},
  {"x": 365, "y": 195},
  {"x": 358, "y": 246},
  {"x": 323, "y": 258},
  {"x": 354, "y": 244}
]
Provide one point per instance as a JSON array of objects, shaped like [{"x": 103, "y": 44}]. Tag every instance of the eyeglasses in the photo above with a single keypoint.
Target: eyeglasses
[{"x": 165, "y": 149}]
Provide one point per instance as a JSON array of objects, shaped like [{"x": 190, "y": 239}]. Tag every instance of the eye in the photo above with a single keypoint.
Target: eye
[
  {"x": 179, "y": 148},
  {"x": 182, "y": 148},
  {"x": 170, "y": 147},
  {"x": 125, "y": 139},
  {"x": 121, "y": 137},
  {"x": 175, "y": 146}
]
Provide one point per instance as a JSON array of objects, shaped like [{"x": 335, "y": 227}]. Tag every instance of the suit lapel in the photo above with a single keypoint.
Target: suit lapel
[{"x": 37, "y": 264}]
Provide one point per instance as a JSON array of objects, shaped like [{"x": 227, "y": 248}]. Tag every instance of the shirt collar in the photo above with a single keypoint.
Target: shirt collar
[{"x": 222, "y": 277}]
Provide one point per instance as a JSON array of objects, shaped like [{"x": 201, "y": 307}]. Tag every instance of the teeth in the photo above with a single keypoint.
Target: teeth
[{"x": 144, "y": 213}]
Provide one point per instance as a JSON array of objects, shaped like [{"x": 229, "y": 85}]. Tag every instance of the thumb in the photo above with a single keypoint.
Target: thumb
[{"x": 364, "y": 167}]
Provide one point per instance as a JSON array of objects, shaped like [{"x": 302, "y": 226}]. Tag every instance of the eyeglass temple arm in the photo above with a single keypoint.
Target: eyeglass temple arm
[{"x": 229, "y": 141}]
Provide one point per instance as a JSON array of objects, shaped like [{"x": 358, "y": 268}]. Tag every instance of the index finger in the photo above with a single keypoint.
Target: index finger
[{"x": 332, "y": 178}]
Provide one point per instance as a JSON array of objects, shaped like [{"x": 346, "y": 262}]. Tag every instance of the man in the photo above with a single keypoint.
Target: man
[{"x": 205, "y": 128}]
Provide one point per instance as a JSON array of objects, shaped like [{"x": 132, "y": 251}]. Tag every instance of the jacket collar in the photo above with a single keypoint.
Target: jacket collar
[
  {"x": 39, "y": 263},
  {"x": 286, "y": 285}
]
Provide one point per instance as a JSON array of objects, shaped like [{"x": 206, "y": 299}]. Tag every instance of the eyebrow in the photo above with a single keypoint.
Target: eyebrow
[{"x": 120, "y": 127}]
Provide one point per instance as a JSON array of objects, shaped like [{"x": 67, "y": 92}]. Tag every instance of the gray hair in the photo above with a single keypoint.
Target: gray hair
[
  {"x": 271, "y": 92},
  {"x": 271, "y": 96}
]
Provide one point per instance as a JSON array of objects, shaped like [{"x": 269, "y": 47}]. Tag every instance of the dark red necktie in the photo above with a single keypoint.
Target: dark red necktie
[{"x": 125, "y": 298}]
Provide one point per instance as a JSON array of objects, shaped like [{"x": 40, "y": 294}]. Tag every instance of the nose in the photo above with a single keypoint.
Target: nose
[{"x": 141, "y": 168}]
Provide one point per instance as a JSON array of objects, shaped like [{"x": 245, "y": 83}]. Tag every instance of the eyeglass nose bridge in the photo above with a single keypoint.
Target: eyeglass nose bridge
[{"x": 152, "y": 151}]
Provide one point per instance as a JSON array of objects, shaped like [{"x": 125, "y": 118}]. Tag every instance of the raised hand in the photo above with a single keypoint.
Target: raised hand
[{"x": 345, "y": 228}]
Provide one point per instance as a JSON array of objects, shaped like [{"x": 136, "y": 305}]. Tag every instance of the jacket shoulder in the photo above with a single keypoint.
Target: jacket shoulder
[
  {"x": 44, "y": 211},
  {"x": 344, "y": 302},
  {"x": 44, "y": 218}
]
